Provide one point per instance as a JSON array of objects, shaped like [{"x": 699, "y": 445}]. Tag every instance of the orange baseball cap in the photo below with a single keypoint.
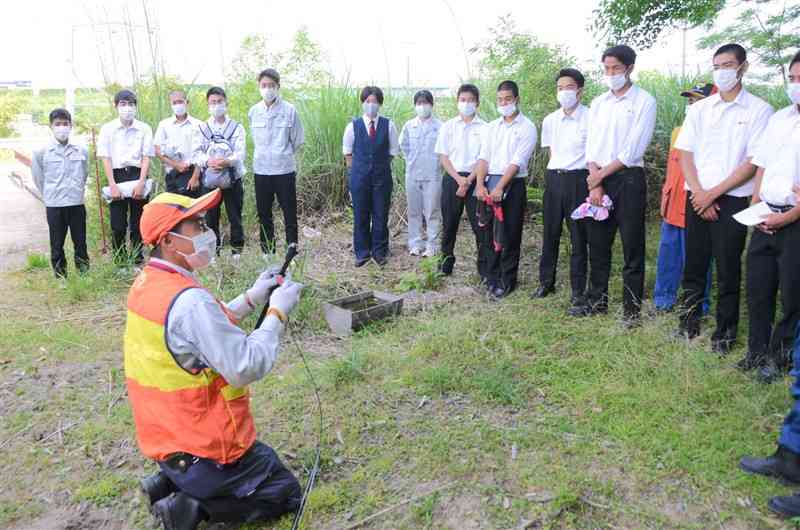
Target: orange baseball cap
[{"x": 166, "y": 210}]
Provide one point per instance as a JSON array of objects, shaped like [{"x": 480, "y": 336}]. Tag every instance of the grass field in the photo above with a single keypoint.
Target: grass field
[{"x": 512, "y": 414}]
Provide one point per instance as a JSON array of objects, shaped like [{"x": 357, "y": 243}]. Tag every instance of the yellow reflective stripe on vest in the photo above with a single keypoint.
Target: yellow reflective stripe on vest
[
  {"x": 149, "y": 363},
  {"x": 232, "y": 392}
]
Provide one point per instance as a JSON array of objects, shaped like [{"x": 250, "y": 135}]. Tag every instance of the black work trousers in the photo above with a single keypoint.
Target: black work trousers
[
  {"x": 452, "y": 211},
  {"x": 563, "y": 192},
  {"x": 773, "y": 265},
  {"x": 724, "y": 240},
  {"x": 233, "y": 198},
  {"x": 502, "y": 267},
  {"x": 125, "y": 215},
  {"x": 178, "y": 182},
  {"x": 284, "y": 187},
  {"x": 628, "y": 192},
  {"x": 61, "y": 219}
]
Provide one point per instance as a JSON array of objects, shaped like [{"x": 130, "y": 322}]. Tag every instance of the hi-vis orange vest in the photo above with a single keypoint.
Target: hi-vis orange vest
[
  {"x": 673, "y": 194},
  {"x": 175, "y": 410}
]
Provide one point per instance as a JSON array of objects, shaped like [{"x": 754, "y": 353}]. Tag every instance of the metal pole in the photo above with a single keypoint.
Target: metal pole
[{"x": 100, "y": 204}]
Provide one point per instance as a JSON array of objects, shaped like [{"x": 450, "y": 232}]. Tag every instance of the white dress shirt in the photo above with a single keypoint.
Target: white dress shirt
[
  {"x": 199, "y": 333},
  {"x": 565, "y": 135},
  {"x": 239, "y": 141},
  {"x": 59, "y": 172},
  {"x": 504, "y": 144},
  {"x": 460, "y": 141},
  {"x": 417, "y": 143},
  {"x": 125, "y": 146},
  {"x": 620, "y": 128},
  {"x": 778, "y": 153},
  {"x": 350, "y": 136},
  {"x": 277, "y": 135},
  {"x": 175, "y": 138},
  {"x": 722, "y": 135}
]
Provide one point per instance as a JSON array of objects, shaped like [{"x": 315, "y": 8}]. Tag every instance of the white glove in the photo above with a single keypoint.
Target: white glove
[
  {"x": 286, "y": 297},
  {"x": 260, "y": 289}
]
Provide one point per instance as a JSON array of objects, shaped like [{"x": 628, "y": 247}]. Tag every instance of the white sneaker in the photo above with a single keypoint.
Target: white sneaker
[
  {"x": 415, "y": 251},
  {"x": 429, "y": 252}
]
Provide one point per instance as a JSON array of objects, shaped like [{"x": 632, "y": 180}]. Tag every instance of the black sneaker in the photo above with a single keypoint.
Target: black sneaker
[
  {"x": 156, "y": 487},
  {"x": 179, "y": 512},
  {"x": 446, "y": 265},
  {"x": 786, "y": 506},
  {"x": 543, "y": 291},
  {"x": 783, "y": 465}
]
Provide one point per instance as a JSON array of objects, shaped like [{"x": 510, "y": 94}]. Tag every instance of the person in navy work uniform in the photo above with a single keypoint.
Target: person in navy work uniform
[{"x": 368, "y": 145}]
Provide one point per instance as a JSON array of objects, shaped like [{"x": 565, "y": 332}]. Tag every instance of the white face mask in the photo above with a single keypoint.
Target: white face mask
[
  {"x": 204, "y": 244},
  {"x": 61, "y": 132},
  {"x": 179, "y": 109},
  {"x": 370, "y": 109},
  {"x": 793, "y": 91},
  {"x": 269, "y": 93},
  {"x": 218, "y": 110},
  {"x": 126, "y": 112},
  {"x": 726, "y": 79},
  {"x": 467, "y": 108},
  {"x": 423, "y": 111},
  {"x": 507, "y": 110},
  {"x": 616, "y": 82},
  {"x": 567, "y": 98}
]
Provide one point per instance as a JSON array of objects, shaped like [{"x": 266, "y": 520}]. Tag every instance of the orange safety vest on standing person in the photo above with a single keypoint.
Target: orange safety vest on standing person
[
  {"x": 175, "y": 410},
  {"x": 673, "y": 194}
]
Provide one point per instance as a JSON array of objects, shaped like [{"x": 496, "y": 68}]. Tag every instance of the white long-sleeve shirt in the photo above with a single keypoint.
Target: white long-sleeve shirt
[
  {"x": 239, "y": 141},
  {"x": 460, "y": 141},
  {"x": 200, "y": 333},
  {"x": 504, "y": 144},
  {"x": 277, "y": 135},
  {"x": 350, "y": 136},
  {"x": 417, "y": 143},
  {"x": 620, "y": 128},
  {"x": 175, "y": 138},
  {"x": 722, "y": 135},
  {"x": 778, "y": 153}
]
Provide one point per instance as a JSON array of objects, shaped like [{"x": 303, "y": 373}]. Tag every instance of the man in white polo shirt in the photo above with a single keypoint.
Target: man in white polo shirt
[
  {"x": 564, "y": 134},
  {"x": 621, "y": 124},
  {"x": 717, "y": 142},
  {"x": 458, "y": 147},
  {"x": 173, "y": 145},
  {"x": 506, "y": 149},
  {"x": 773, "y": 257}
]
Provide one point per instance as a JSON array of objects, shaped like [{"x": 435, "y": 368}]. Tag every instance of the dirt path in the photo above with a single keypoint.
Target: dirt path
[{"x": 23, "y": 224}]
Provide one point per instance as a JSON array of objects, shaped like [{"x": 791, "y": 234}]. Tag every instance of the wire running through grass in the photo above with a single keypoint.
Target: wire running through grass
[{"x": 312, "y": 475}]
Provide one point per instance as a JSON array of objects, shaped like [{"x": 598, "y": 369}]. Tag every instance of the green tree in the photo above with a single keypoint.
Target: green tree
[
  {"x": 640, "y": 22},
  {"x": 772, "y": 37}
]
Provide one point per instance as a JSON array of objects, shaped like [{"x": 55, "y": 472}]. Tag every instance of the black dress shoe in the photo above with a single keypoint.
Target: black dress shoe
[
  {"x": 784, "y": 465},
  {"x": 722, "y": 346},
  {"x": 579, "y": 309},
  {"x": 750, "y": 361},
  {"x": 179, "y": 512},
  {"x": 361, "y": 262},
  {"x": 787, "y": 506},
  {"x": 446, "y": 265},
  {"x": 498, "y": 293},
  {"x": 381, "y": 260},
  {"x": 156, "y": 487},
  {"x": 769, "y": 373},
  {"x": 542, "y": 291}
]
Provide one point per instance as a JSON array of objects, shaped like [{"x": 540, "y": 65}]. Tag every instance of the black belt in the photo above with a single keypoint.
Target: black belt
[
  {"x": 124, "y": 174},
  {"x": 569, "y": 171},
  {"x": 183, "y": 461},
  {"x": 779, "y": 209}
]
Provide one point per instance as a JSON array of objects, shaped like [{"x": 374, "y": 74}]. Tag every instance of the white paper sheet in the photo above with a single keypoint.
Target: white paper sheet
[{"x": 753, "y": 215}]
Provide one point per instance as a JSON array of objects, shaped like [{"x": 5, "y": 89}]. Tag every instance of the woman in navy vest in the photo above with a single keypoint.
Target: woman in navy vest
[{"x": 369, "y": 144}]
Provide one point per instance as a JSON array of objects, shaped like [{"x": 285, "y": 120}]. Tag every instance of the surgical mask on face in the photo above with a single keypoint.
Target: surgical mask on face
[
  {"x": 423, "y": 111},
  {"x": 217, "y": 110},
  {"x": 370, "y": 109},
  {"x": 467, "y": 108},
  {"x": 179, "y": 109},
  {"x": 61, "y": 132},
  {"x": 126, "y": 112},
  {"x": 269, "y": 93},
  {"x": 726, "y": 79},
  {"x": 567, "y": 98},
  {"x": 204, "y": 245},
  {"x": 507, "y": 110},
  {"x": 793, "y": 91},
  {"x": 616, "y": 82}
]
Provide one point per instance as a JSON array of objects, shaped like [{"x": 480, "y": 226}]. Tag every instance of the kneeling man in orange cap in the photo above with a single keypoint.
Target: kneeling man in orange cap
[{"x": 187, "y": 367}]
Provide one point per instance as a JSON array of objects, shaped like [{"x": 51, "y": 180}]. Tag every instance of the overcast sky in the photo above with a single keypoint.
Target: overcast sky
[{"x": 360, "y": 38}]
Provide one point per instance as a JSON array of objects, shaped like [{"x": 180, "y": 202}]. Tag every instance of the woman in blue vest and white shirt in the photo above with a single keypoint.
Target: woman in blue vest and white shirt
[
  {"x": 369, "y": 144},
  {"x": 423, "y": 191}
]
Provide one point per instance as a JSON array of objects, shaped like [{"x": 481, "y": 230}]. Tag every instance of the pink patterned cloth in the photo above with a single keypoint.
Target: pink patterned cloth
[{"x": 598, "y": 213}]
